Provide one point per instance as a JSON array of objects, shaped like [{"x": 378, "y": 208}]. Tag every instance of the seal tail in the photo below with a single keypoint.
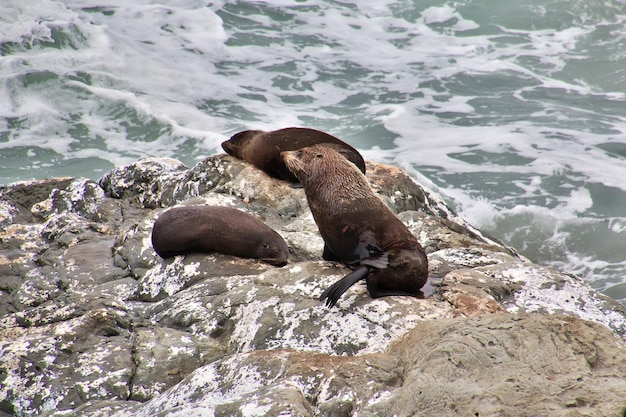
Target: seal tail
[{"x": 332, "y": 293}]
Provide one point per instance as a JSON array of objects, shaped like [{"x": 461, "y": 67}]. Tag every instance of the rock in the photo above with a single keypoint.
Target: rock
[
  {"x": 54, "y": 356},
  {"x": 510, "y": 365},
  {"x": 491, "y": 365},
  {"x": 94, "y": 323}
]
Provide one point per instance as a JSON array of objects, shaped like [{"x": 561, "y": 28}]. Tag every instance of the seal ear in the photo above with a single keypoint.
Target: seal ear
[{"x": 319, "y": 155}]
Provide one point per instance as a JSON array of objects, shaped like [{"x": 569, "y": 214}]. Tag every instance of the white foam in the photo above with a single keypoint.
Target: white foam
[
  {"x": 494, "y": 114},
  {"x": 445, "y": 14}
]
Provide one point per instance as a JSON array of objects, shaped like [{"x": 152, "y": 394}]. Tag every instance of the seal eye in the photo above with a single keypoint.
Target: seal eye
[{"x": 319, "y": 155}]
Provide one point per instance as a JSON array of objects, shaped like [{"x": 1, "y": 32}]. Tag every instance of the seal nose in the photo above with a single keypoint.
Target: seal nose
[
  {"x": 276, "y": 262},
  {"x": 227, "y": 146}
]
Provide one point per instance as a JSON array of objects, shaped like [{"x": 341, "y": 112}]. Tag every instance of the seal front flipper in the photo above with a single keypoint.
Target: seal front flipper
[
  {"x": 332, "y": 293},
  {"x": 379, "y": 261}
]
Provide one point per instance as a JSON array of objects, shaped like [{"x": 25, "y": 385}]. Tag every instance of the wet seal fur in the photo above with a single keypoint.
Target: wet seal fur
[
  {"x": 262, "y": 149},
  {"x": 357, "y": 227},
  {"x": 204, "y": 229}
]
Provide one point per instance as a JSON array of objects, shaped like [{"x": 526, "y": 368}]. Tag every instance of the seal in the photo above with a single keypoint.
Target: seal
[
  {"x": 357, "y": 227},
  {"x": 203, "y": 229},
  {"x": 262, "y": 149}
]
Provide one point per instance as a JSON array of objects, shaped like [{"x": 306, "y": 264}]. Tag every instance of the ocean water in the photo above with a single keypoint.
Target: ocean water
[{"x": 515, "y": 111}]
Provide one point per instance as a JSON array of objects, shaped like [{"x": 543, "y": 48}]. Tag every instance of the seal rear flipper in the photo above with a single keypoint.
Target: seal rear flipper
[{"x": 332, "y": 293}]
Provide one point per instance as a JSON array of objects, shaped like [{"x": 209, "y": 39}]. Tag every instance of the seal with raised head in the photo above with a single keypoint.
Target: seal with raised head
[
  {"x": 262, "y": 149},
  {"x": 357, "y": 227},
  {"x": 204, "y": 229}
]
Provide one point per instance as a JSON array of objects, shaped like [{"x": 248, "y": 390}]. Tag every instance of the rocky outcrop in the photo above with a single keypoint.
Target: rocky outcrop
[{"x": 94, "y": 323}]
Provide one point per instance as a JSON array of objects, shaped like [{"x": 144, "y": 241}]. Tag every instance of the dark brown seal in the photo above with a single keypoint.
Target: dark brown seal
[
  {"x": 262, "y": 149},
  {"x": 183, "y": 230},
  {"x": 357, "y": 227}
]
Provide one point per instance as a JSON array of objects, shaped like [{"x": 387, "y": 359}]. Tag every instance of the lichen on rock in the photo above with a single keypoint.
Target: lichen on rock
[{"x": 94, "y": 323}]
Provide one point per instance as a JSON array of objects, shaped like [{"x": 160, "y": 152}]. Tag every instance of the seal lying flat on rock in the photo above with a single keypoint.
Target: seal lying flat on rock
[
  {"x": 357, "y": 227},
  {"x": 262, "y": 149},
  {"x": 183, "y": 230}
]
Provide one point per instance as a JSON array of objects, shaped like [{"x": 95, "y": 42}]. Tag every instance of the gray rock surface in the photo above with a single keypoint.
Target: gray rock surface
[{"x": 94, "y": 323}]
